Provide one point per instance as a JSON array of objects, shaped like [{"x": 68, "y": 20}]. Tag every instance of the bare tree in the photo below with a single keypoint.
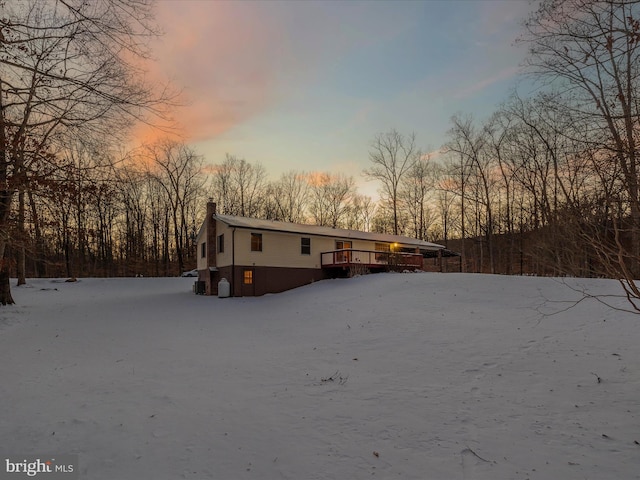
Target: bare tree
[
  {"x": 382, "y": 221},
  {"x": 289, "y": 196},
  {"x": 222, "y": 190},
  {"x": 249, "y": 181},
  {"x": 415, "y": 189},
  {"x": 329, "y": 198},
  {"x": 499, "y": 135},
  {"x": 590, "y": 51},
  {"x": 239, "y": 186},
  {"x": 159, "y": 217},
  {"x": 66, "y": 69},
  {"x": 392, "y": 155},
  {"x": 360, "y": 213},
  {"x": 136, "y": 203},
  {"x": 177, "y": 169},
  {"x": 468, "y": 176},
  {"x": 445, "y": 200}
]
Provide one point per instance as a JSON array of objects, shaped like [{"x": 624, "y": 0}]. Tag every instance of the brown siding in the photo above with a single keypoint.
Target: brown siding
[
  {"x": 223, "y": 272},
  {"x": 273, "y": 279}
]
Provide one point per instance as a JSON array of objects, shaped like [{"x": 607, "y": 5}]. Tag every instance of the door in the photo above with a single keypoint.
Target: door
[
  {"x": 343, "y": 257},
  {"x": 248, "y": 282}
]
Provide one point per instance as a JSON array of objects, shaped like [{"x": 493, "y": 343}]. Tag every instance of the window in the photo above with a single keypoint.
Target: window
[
  {"x": 305, "y": 246},
  {"x": 382, "y": 257},
  {"x": 256, "y": 242},
  {"x": 220, "y": 243},
  {"x": 383, "y": 247},
  {"x": 247, "y": 277},
  {"x": 203, "y": 250}
]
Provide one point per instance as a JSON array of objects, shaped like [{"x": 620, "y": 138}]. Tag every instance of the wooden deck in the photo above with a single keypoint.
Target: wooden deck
[{"x": 370, "y": 259}]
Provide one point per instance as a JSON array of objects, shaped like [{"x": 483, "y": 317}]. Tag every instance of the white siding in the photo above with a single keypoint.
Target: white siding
[
  {"x": 224, "y": 259},
  {"x": 201, "y": 263},
  {"x": 280, "y": 249}
]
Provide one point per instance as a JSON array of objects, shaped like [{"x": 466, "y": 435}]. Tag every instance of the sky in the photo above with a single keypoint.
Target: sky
[{"x": 306, "y": 86}]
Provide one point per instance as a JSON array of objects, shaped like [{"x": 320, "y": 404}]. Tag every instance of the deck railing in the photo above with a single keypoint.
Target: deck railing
[{"x": 369, "y": 258}]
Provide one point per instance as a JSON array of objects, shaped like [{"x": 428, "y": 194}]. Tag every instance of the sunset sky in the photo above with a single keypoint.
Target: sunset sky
[{"x": 307, "y": 85}]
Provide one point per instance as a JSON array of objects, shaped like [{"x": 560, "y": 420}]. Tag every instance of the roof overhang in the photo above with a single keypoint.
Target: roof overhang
[{"x": 322, "y": 231}]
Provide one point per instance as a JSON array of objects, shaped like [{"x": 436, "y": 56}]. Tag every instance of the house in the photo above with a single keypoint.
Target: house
[{"x": 264, "y": 256}]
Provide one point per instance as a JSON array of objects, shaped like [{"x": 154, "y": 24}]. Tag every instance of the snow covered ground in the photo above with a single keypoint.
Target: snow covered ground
[{"x": 410, "y": 376}]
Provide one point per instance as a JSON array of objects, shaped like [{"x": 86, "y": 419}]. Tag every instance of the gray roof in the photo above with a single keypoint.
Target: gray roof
[{"x": 272, "y": 225}]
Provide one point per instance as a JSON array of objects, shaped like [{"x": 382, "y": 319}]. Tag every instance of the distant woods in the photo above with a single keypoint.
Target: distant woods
[
  {"x": 70, "y": 86},
  {"x": 548, "y": 183},
  {"x": 139, "y": 214},
  {"x": 554, "y": 177}
]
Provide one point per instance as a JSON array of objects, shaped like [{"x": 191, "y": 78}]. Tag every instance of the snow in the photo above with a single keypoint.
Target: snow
[{"x": 411, "y": 376}]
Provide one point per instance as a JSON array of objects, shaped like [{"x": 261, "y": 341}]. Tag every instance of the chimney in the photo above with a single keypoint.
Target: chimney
[
  {"x": 211, "y": 234},
  {"x": 211, "y": 208}
]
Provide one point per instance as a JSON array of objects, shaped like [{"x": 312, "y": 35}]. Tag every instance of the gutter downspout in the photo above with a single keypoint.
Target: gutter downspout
[{"x": 233, "y": 261}]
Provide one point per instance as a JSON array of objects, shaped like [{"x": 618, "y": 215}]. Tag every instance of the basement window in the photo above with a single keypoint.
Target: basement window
[{"x": 247, "y": 277}]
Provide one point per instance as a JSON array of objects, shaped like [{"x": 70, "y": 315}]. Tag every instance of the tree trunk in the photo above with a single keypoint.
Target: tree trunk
[
  {"x": 5, "y": 287},
  {"x": 5, "y": 207},
  {"x": 20, "y": 267},
  {"x": 39, "y": 253}
]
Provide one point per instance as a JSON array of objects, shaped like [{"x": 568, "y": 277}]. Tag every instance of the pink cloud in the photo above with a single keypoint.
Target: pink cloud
[
  {"x": 221, "y": 55},
  {"x": 236, "y": 59}
]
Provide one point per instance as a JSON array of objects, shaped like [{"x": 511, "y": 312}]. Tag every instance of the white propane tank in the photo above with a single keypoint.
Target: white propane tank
[{"x": 224, "y": 289}]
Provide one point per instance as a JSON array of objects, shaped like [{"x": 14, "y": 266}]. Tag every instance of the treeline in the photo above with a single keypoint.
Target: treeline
[
  {"x": 498, "y": 183},
  {"x": 139, "y": 214},
  {"x": 560, "y": 167},
  {"x": 109, "y": 216}
]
